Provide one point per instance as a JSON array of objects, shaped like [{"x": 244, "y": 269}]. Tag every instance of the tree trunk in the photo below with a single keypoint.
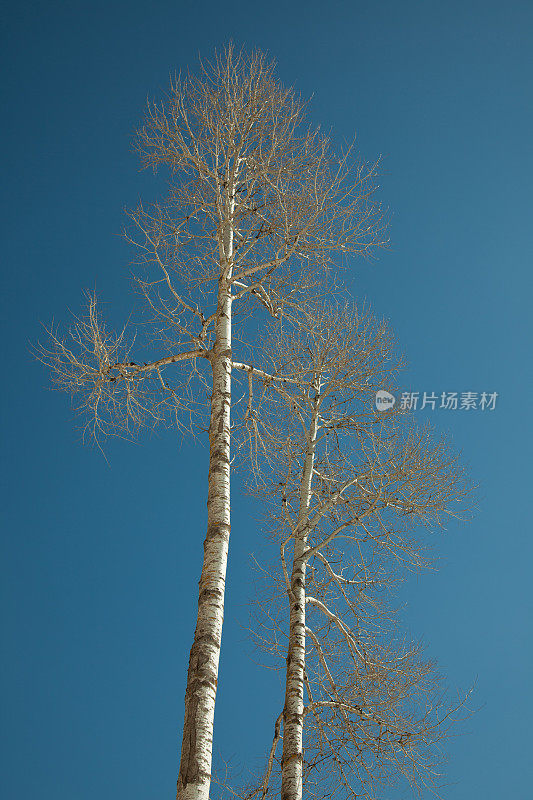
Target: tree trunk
[
  {"x": 194, "y": 778},
  {"x": 293, "y": 712}
]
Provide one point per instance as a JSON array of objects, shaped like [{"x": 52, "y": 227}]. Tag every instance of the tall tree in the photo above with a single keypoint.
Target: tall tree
[
  {"x": 258, "y": 204},
  {"x": 350, "y": 486}
]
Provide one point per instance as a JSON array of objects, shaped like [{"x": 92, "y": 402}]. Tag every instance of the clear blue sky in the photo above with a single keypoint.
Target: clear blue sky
[{"x": 100, "y": 563}]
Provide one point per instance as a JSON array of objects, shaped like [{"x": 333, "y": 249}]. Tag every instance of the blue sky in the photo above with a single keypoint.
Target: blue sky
[{"x": 101, "y": 561}]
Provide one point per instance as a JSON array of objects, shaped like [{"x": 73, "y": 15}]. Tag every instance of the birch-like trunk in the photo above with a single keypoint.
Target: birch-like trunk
[
  {"x": 194, "y": 778},
  {"x": 293, "y": 711}
]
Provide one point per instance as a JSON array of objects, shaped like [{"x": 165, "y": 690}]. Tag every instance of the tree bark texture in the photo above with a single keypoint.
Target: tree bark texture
[
  {"x": 194, "y": 777},
  {"x": 293, "y": 712}
]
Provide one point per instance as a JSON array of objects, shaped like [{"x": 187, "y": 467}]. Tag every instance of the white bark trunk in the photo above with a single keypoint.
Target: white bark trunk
[
  {"x": 293, "y": 712},
  {"x": 194, "y": 776}
]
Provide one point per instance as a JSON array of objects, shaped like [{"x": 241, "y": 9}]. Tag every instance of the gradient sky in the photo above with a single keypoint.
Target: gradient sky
[{"x": 101, "y": 561}]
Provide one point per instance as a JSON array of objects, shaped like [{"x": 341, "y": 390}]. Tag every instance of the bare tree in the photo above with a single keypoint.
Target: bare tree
[
  {"x": 258, "y": 205},
  {"x": 351, "y": 485}
]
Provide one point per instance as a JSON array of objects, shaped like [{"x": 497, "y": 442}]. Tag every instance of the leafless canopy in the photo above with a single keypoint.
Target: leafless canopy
[
  {"x": 295, "y": 199},
  {"x": 374, "y": 711},
  {"x": 257, "y": 199}
]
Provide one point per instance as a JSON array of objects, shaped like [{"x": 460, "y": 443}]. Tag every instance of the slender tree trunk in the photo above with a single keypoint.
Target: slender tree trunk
[
  {"x": 293, "y": 712},
  {"x": 194, "y": 778}
]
